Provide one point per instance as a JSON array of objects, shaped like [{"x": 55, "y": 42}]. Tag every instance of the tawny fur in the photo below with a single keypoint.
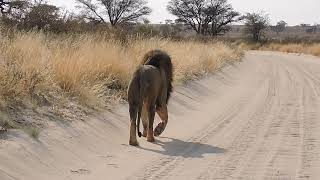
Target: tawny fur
[
  {"x": 149, "y": 91},
  {"x": 161, "y": 59}
]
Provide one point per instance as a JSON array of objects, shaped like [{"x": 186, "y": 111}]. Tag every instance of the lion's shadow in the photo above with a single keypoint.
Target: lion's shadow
[{"x": 179, "y": 148}]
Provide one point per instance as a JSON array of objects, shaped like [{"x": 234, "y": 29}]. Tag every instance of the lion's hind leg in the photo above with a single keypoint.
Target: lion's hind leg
[
  {"x": 144, "y": 118},
  {"x": 133, "y": 117},
  {"x": 163, "y": 114},
  {"x": 151, "y": 114}
]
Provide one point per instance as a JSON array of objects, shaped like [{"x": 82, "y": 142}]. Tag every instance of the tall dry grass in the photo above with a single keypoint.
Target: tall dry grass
[
  {"x": 312, "y": 49},
  {"x": 92, "y": 67}
]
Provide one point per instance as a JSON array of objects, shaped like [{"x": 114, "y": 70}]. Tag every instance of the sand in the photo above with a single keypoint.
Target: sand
[{"x": 258, "y": 119}]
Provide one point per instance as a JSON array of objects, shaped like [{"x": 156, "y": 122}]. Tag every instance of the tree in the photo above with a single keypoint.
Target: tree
[
  {"x": 305, "y": 25},
  {"x": 2, "y": 6},
  {"x": 146, "y": 21},
  {"x": 42, "y": 16},
  {"x": 204, "y": 16},
  {"x": 26, "y": 15},
  {"x": 114, "y": 11},
  {"x": 255, "y": 24},
  {"x": 13, "y": 9},
  {"x": 189, "y": 12},
  {"x": 220, "y": 15},
  {"x": 168, "y": 21},
  {"x": 311, "y": 29},
  {"x": 280, "y": 27}
]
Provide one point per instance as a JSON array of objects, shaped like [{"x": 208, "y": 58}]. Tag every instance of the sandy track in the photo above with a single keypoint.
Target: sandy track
[{"x": 259, "y": 119}]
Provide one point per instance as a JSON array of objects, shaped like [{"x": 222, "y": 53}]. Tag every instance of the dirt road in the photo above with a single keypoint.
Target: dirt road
[{"x": 259, "y": 119}]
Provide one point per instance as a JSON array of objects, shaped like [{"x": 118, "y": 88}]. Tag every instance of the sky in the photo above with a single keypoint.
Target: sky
[{"x": 294, "y": 12}]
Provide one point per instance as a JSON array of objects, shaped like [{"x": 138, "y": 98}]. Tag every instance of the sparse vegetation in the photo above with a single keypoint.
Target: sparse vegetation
[
  {"x": 5, "y": 123},
  {"x": 313, "y": 49},
  {"x": 305, "y": 48},
  {"x": 32, "y": 132}
]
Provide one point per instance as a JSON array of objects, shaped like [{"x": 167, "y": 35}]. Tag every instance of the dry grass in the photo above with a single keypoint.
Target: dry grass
[
  {"x": 32, "y": 132},
  {"x": 91, "y": 67},
  {"x": 312, "y": 49}
]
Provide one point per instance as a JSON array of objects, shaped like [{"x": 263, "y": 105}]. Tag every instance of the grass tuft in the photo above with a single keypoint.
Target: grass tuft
[{"x": 33, "y": 132}]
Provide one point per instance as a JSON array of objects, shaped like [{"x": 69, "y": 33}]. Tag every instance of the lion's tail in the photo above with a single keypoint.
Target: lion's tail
[
  {"x": 139, "y": 107},
  {"x": 139, "y": 117}
]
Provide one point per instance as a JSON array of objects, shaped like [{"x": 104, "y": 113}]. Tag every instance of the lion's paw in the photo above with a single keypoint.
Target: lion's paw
[{"x": 159, "y": 129}]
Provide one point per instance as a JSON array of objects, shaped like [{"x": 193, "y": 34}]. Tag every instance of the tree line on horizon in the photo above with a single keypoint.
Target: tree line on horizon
[{"x": 204, "y": 17}]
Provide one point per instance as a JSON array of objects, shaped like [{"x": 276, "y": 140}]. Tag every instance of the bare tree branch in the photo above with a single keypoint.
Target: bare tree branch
[
  {"x": 2, "y": 6},
  {"x": 88, "y": 5}
]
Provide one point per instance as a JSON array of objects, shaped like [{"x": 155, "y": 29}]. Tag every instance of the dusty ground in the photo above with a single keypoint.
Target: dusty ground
[{"x": 259, "y": 119}]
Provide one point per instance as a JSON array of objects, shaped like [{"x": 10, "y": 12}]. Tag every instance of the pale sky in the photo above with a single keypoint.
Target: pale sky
[{"x": 294, "y": 12}]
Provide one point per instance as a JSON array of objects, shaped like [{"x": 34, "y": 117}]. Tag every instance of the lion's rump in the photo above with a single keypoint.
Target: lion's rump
[{"x": 161, "y": 60}]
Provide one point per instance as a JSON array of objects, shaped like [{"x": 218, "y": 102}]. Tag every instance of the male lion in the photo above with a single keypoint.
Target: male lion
[{"x": 149, "y": 92}]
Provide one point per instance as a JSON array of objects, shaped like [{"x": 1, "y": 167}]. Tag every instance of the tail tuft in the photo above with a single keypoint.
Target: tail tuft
[{"x": 139, "y": 134}]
